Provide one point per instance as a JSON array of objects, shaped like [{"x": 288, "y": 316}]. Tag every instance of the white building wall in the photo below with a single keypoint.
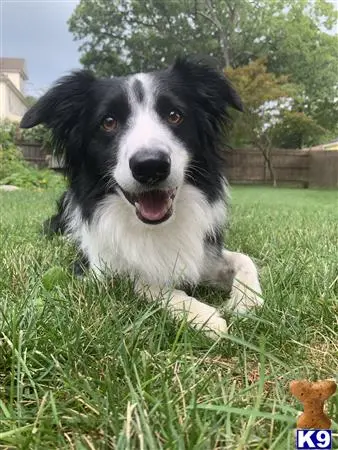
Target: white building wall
[
  {"x": 11, "y": 106},
  {"x": 3, "y": 100},
  {"x": 15, "y": 79}
]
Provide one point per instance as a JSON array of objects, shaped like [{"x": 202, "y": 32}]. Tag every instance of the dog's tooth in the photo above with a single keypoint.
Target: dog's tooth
[{"x": 137, "y": 206}]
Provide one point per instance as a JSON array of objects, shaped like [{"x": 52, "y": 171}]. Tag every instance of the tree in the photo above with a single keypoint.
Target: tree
[
  {"x": 30, "y": 100},
  {"x": 264, "y": 96},
  {"x": 122, "y": 36},
  {"x": 297, "y": 130},
  {"x": 302, "y": 48}
]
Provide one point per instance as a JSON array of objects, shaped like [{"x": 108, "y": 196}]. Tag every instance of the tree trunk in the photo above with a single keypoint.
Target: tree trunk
[
  {"x": 267, "y": 156},
  {"x": 225, "y": 48},
  {"x": 272, "y": 172},
  {"x": 223, "y": 37}
]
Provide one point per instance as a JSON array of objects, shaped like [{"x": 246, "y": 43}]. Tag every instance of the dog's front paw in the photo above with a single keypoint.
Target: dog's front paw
[
  {"x": 200, "y": 315},
  {"x": 245, "y": 297},
  {"x": 205, "y": 318},
  {"x": 215, "y": 327}
]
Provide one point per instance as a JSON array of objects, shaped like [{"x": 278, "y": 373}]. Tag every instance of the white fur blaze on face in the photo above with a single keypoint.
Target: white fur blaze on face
[{"x": 146, "y": 130}]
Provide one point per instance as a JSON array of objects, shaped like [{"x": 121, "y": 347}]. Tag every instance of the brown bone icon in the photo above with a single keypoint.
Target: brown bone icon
[{"x": 313, "y": 396}]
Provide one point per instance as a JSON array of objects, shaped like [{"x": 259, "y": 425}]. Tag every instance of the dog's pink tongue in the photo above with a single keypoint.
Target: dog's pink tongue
[{"x": 153, "y": 205}]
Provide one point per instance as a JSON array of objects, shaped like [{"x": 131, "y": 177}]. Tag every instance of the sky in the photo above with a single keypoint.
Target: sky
[{"x": 37, "y": 31}]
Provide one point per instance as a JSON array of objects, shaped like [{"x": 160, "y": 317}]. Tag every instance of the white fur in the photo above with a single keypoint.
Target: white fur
[
  {"x": 180, "y": 305},
  {"x": 246, "y": 291},
  {"x": 166, "y": 254},
  {"x": 147, "y": 131}
]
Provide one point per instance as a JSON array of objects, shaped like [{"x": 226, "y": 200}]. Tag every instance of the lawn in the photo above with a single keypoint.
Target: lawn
[{"x": 88, "y": 366}]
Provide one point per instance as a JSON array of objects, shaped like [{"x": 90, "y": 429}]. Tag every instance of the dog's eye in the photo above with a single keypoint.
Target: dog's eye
[
  {"x": 109, "y": 123},
  {"x": 175, "y": 117}
]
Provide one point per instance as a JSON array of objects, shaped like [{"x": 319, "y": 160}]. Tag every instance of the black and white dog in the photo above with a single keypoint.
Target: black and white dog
[{"x": 147, "y": 194}]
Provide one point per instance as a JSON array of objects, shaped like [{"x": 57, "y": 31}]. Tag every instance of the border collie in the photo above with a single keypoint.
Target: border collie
[{"x": 147, "y": 193}]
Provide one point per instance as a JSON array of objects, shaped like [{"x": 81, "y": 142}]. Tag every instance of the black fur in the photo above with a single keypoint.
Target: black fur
[
  {"x": 138, "y": 90},
  {"x": 75, "y": 107}
]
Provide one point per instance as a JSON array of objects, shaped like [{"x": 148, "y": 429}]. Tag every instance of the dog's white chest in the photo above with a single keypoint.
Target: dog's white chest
[{"x": 164, "y": 254}]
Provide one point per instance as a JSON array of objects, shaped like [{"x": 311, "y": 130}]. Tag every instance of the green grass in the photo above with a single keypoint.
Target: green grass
[{"x": 88, "y": 366}]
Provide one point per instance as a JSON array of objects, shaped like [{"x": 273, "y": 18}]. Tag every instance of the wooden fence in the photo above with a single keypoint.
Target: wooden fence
[
  {"x": 304, "y": 168},
  {"x": 33, "y": 153},
  {"x": 323, "y": 168},
  {"x": 249, "y": 166}
]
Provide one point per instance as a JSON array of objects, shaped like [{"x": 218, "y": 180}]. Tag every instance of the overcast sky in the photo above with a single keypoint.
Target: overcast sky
[{"x": 37, "y": 31}]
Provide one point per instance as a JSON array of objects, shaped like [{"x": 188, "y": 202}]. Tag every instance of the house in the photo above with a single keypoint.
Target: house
[
  {"x": 13, "y": 74},
  {"x": 331, "y": 145}
]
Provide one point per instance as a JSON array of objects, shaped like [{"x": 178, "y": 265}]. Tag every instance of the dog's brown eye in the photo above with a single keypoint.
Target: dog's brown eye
[
  {"x": 175, "y": 117},
  {"x": 109, "y": 123}
]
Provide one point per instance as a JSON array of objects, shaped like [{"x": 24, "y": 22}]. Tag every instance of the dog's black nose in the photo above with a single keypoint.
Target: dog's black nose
[{"x": 150, "y": 167}]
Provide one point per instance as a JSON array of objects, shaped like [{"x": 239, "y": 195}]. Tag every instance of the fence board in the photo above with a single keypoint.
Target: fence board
[
  {"x": 33, "y": 153},
  {"x": 249, "y": 166},
  {"x": 323, "y": 168}
]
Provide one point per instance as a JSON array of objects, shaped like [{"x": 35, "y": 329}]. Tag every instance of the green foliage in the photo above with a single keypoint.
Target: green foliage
[
  {"x": 11, "y": 160},
  {"x": 15, "y": 170},
  {"x": 271, "y": 116},
  {"x": 26, "y": 176},
  {"x": 297, "y": 130},
  {"x": 39, "y": 134},
  {"x": 31, "y": 100},
  {"x": 256, "y": 85},
  {"x": 263, "y": 94},
  {"x": 7, "y": 132},
  {"x": 123, "y": 36}
]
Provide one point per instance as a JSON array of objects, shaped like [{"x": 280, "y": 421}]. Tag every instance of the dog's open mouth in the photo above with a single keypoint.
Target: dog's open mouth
[{"x": 153, "y": 207}]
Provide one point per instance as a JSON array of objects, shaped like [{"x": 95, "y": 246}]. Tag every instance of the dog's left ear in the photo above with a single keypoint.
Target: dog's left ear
[
  {"x": 214, "y": 89},
  {"x": 64, "y": 99},
  {"x": 62, "y": 109}
]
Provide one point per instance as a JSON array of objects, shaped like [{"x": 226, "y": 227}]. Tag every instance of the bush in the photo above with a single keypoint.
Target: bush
[
  {"x": 15, "y": 170},
  {"x": 30, "y": 177},
  {"x": 39, "y": 134},
  {"x": 297, "y": 130}
]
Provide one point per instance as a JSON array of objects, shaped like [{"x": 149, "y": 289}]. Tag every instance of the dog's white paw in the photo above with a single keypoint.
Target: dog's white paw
[
  {"x": 215, "y": 327},
  {"x": 200, "y": 315},
  {"x": 245, "y": 297},
  {"x": 205, "y": 318}
]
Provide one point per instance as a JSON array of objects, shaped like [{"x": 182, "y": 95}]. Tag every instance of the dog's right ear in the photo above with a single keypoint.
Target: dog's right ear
[{"x": 62, "y": 107}]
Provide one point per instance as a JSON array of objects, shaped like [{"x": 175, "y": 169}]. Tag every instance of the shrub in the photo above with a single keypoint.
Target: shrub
[
  {"x": 15, "y": 170},
  {"x": 39, "y": 134},
  {"x": 31, "y": 177}
]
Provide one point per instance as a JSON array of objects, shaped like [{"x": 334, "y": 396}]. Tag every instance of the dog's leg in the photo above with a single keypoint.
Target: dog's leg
[
  {"x": 56, "y": 224},
  {"x": 236, "y": 273},
  {"x": 180, "y": 305},
  {"x": 80, "y": 265}
]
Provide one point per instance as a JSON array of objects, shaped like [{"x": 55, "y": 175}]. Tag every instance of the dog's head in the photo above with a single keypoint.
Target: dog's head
[{"x": 144, "y": 135}]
